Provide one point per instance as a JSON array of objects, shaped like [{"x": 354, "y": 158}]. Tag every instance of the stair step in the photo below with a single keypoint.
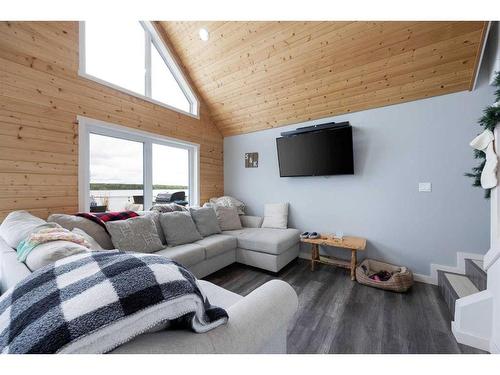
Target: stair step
[
  {"x": 476, "y": 273},
  {"x": 461, "y": 284},
  {"x": 478, "y": 263},
  {"x": 454, "y": 286}
]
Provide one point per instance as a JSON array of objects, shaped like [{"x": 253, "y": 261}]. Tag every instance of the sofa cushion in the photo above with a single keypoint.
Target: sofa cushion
[
  {"x": 49, "y": 252},
  {"x": 17, "y": 226},
  {"x": 227, "y": 217},
  {"x": 266, "y": 240},
  {"x": 188, "y": 254},
  {"x": 179, "y": 228},
  {"x": 248, "y": 221},
  {"x": 94, "y": 230},
  {"x": 135, "y": 234},
  {"x": 217, "y": 244},
  {"x": 94, "y": 245},
  {"x": 205, "y": 220}
]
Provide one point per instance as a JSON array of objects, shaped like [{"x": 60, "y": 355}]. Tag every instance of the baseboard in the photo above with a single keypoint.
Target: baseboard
[
  {"x": 424, "y": 279},
  {"x": 417, "y": 277},
  {"x": 305, "y": 255},
  {"x": 432, "y": 278},
  {"x": 470, "y": 340}
]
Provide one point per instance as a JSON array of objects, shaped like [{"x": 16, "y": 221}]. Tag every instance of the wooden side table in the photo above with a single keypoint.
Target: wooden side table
[{"x": 348, "y": 243}]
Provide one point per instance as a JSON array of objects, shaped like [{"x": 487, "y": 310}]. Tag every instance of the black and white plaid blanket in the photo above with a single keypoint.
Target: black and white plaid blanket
[{"x": 94, "y": 302}]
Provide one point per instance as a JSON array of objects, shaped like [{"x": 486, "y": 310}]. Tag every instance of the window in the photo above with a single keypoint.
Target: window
[
  {"x": 131, "y": 57},
  {"x": 170, "y": 172},
  {"x": 124, "y": 169},
  {"x": 116, "y": 173}
]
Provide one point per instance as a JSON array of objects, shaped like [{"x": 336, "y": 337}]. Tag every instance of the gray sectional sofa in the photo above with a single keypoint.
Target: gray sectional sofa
[
  {"x": 257, "y": 323},
  {"x": 266, "y": 248}
]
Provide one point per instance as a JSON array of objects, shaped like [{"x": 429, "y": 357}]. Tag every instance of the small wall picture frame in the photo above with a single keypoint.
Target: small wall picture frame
[{"x": 251, "y": 160}]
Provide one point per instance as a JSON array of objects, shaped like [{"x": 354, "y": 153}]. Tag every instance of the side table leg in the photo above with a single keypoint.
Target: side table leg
[
  {"x": 353, "y": 265},
  {"x": 314, "y": 248}
]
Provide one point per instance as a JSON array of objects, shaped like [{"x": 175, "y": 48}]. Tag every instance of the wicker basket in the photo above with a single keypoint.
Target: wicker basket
[{"x": 400, "y": 281}]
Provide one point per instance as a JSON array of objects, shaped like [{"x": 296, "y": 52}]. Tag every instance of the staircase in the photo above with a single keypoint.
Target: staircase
[
  {"x": 454, "y": 286},
  {"x": 469, "y": 302}
]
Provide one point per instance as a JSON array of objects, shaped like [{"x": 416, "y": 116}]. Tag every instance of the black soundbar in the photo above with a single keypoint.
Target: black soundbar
[{"x": 313, "y": 128}]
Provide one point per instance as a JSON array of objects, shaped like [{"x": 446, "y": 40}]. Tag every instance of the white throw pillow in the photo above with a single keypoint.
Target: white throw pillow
[
  {"x": 17, "y": 226},
  {"x": 275, "y": 215},
  {"x": 49, "y": 252},
  {"x": 94, "y": 245}
]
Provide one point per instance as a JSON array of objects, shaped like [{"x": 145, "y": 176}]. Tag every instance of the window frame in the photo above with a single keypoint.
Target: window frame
[
  {"x": 153, "y": 39},
  {"x": 87, "y": 126}
]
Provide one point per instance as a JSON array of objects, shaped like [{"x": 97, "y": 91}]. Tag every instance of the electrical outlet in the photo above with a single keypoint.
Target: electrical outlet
[{"x": 424, "y": 187}]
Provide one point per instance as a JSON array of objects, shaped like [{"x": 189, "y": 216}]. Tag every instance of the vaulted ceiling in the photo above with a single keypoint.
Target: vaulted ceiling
[{"x": 259, "y": 75}]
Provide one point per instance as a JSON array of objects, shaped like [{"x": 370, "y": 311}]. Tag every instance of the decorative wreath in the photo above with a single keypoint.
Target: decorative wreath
[{"x": 489, "y": 120}]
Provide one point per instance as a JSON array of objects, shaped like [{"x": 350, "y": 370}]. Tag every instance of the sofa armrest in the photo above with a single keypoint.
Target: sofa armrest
[
  {"x": 253, "y": 323},
  {"x": 251, "y": 221}
]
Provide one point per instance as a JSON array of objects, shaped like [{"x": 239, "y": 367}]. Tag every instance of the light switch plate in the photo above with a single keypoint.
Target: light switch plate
[{"x": 424, "y": 187}]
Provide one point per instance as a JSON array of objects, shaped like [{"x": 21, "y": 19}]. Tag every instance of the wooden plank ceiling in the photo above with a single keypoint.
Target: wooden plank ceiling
[{"x": 259, "y": 75}]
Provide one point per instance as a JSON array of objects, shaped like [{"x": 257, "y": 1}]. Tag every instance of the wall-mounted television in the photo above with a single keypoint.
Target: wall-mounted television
[{"x": 323, "y": 152}]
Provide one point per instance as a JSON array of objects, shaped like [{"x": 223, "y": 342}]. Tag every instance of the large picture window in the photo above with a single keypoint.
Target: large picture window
[
  {"x": 125, "y": 169},
  {"x": 130, "y": 56}
]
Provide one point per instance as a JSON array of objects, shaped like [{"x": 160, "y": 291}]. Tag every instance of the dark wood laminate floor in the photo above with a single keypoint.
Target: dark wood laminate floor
[{"x": 337, "y": 315}]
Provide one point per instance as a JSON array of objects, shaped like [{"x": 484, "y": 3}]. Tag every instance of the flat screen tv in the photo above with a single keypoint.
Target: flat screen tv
[{"x": 316, "y": 153}]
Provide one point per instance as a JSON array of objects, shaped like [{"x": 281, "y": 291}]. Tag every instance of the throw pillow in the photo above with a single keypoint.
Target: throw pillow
[
  {"x": 228, "y": 218},
  {"x": 179, "y": 228},
  {"x": 94, "y": 230},
  {"x": 275, "y": 216},
  {"x": 135, "y": 234},
  {"x": 168, "y": 207},
  {"x": 94, "y": 245},
  {"x": 205, "y": 220},
  {"x": 228, "y": 201},
  {"x": 17, "y": 226},
  {"x": 155, "y": 215},
  {"x": 47, "y": 253}
]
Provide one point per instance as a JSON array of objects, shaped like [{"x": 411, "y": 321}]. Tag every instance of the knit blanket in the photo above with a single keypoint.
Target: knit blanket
[
  {"x": 94, "y": 302},
  {"x": 47, "y": 234},
  {"x": 102, "y": 217}
]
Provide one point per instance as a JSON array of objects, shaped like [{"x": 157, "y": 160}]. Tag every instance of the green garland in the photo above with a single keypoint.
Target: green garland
[{"x": 490, "y": 118}]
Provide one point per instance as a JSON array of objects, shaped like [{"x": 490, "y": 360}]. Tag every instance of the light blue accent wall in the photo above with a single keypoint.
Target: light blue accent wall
[{"x": 395, "y": 148}]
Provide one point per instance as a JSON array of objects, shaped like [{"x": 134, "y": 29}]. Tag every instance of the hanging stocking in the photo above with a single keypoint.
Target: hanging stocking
[{"x": 484, "y": 142}]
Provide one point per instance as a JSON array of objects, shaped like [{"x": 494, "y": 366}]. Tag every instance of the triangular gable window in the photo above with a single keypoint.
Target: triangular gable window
[{"x": 130, "y": 56}]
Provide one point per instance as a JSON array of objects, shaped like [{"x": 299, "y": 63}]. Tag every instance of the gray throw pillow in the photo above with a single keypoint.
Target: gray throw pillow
[
  {"x": 205, "y": 220},
  {"x": 94, "y": 230},
  {"x": 135, "y": 234},
  {"x": 179, "y": 228},
  {"x": 228, "y": 218},
  {"x": 156, "y": 217}
]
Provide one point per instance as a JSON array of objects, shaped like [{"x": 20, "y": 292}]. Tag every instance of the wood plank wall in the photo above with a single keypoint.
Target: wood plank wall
[{"x": 40, "y": 96}]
